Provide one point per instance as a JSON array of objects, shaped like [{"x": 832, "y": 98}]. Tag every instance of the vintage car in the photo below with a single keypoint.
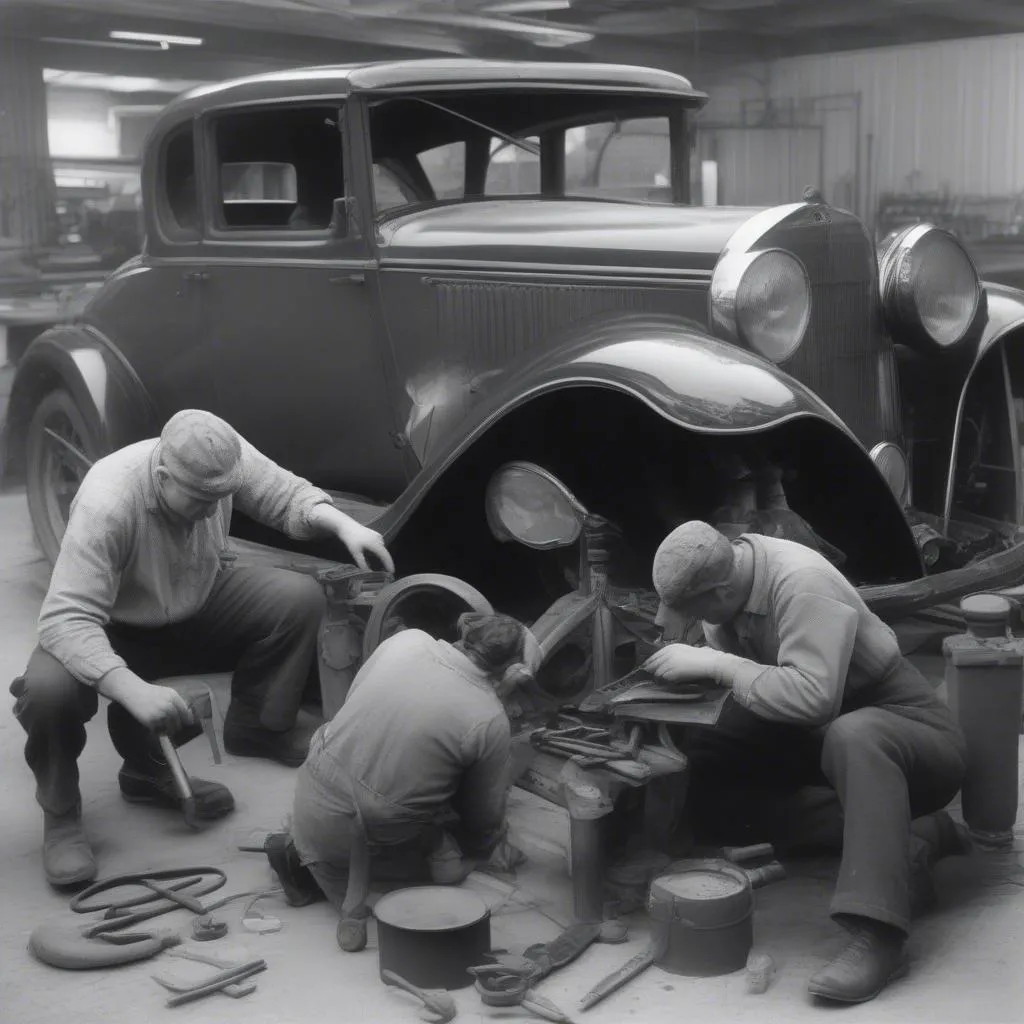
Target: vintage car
[{"x": 345, "y": 263}]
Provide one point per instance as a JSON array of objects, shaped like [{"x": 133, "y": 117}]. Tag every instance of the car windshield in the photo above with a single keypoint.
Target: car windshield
[{"x": 597, "y": 145}]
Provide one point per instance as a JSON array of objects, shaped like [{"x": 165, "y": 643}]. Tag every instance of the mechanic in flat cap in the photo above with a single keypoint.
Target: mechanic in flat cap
[
  {"x": 830, "y": 738},
  {"x": 138, "y": 592}
]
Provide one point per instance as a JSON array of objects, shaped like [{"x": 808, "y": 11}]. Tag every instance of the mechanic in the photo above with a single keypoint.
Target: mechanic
[
  {"x": 138, "y": 592},
  {"x": 830, "y": 738},
  {"x": 420, "y": 753}
]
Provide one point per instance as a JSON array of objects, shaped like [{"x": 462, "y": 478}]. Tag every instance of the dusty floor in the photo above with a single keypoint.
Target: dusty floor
[{"x": 966, "y": 955}]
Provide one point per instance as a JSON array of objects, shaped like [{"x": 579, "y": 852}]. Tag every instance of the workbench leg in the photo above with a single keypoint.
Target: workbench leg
[{"x": 586, "y": 855}]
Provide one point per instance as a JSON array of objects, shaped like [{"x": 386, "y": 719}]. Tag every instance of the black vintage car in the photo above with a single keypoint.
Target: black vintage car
[{"x": 343, "y": 263}]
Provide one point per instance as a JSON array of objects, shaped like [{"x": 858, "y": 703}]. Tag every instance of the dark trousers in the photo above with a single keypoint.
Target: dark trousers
[
  {"x": 261, "y": 624},
  {"x": 855, "y": 785}
]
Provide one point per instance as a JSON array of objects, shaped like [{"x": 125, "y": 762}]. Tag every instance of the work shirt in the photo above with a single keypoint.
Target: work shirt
[
  {"x": 804, "y": 640},
  {"x": 127, "y": 559},
  {"x": 421, "y": 728}
]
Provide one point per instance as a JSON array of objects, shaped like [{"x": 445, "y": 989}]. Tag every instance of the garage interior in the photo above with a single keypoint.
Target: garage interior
[{"x": 897, "y": 110}]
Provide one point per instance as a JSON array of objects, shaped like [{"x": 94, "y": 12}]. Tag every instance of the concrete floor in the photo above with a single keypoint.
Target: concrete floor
[{"x": 966, "y": 955}]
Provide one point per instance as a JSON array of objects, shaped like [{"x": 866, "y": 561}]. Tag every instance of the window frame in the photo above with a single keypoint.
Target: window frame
[
  {"x": 170, "y": 231},
  {"x": 262, "y": 236}
]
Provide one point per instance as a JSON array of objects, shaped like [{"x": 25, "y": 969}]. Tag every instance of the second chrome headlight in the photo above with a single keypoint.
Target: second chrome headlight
[{"x": 761, "y": 300}]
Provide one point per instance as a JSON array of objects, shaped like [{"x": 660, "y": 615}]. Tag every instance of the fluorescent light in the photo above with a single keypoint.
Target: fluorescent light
[
  {"x": 157, "y": 37},
  {"x": 525, "y": 6}
]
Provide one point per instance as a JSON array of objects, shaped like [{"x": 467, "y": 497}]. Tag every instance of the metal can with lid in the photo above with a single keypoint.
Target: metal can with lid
[{"x": 702, "y": 918}]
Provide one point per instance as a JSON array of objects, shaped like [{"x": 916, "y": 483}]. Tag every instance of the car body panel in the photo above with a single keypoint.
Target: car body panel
[
  {"x": 701, "y": 385},
  {"x": 579, "y": 233}
]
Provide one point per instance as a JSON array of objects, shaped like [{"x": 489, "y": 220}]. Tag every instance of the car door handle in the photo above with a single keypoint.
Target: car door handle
[{"x": 355, "y": 277}]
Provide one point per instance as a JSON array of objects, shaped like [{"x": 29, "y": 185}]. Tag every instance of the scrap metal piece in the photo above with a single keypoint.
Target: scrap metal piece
[{"x": 436, "y": 1001}]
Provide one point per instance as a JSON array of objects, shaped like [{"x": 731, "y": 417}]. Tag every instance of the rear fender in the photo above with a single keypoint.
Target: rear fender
[{"x": 91, "y": 369}]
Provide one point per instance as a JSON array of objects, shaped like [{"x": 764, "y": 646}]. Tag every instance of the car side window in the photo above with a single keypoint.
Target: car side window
[
  {"x": 181, "y": 214},
  {"x": 278, "y": 170},
  {"x": 512, "y": 171},
  {"x": 389, "y": 191}
]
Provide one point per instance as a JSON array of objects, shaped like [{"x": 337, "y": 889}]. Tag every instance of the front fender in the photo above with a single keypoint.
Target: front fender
[
  {"x": 106, "y": 390},
  {"x": 700, "y": 384},
  {"x": 1005, "y": 317}
]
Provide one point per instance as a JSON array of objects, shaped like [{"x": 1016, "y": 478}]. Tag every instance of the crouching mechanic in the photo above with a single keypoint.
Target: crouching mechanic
[
  {"x": 830, "y": 739},
  {"x": 420, "y": 753},
  {"x": 138, "y": 592}
]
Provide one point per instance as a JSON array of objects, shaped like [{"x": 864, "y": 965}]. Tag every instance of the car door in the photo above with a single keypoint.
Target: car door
[{"x": 287, "y": 301}]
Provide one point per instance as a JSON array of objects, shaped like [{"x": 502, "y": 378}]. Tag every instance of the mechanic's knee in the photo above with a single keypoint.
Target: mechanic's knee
[
  {"x": 856, "y": 731},
  {"x": 49, "y": 690},
  {"x": 301, "y": 600}
]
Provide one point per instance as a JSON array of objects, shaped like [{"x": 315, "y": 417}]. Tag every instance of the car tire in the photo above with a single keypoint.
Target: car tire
[
  {"x": 448, "y": 588},
  {"x": 53, "y": 471}
]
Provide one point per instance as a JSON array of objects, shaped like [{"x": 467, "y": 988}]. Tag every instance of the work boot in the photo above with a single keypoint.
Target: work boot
[
  {"x": 934, "y": 837},
  {"x": 67, "y": 856},
  {"x": 299, "y": 886},
  {"x": 245, "y": 737},
  {"x": 874, "y": 957},
  {"x": 212, "y": 800}
]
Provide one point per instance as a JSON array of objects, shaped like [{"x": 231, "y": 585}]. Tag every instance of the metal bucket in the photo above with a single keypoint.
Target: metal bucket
[
  {"x": 432, "y": 934},
  {"x": 702, "y": 918}
]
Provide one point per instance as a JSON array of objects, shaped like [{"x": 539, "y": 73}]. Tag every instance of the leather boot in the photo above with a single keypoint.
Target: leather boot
[
  {"x": 67, "y": 856},
  {"x": 874, "y": 957}
]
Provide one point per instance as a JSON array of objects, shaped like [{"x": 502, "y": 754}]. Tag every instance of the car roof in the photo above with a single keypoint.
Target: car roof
[{"x": 441, "y": 74}]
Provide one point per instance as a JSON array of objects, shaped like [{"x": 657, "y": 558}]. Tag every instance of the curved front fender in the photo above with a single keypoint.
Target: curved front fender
[
  {"x": 696, "y": 382},
  {"x": 105, "y": 388}
]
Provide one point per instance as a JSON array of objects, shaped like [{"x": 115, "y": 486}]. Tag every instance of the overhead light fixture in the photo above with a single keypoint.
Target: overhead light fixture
[
  {"x": 525, "y": 6},
  {"x": 160, "y": 39}
]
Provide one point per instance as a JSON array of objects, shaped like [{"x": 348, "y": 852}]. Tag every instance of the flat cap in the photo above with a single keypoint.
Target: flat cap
[
  {"x": 202, "y": 453},
  {"x": 693, "y": 558}
]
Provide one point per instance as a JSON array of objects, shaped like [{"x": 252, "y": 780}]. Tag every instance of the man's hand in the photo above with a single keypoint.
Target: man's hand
[
  {"x": 681, "y": 663},
  {"x": 156, "y": 707},
  {"x": 360, "y": 540}
]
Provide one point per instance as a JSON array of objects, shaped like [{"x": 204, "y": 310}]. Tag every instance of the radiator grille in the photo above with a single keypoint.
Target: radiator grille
[{"x": 846, "y": 358}]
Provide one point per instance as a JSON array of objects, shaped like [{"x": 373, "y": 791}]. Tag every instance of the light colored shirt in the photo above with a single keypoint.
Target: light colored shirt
[
  {"x": 803, "y": 639},
  {"x": 126, "y": 559},
  {"x": 421, "y": 728}
]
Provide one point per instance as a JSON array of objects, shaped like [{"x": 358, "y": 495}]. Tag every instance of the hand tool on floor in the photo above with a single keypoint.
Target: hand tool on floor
[
  {"x": 211, "y": 985},
  {"x": 437, "y": 1002},
  {"x": 629, "y": 970},
  {"x": 505, "y": 985},
  {"x": 236, "y": 990}
]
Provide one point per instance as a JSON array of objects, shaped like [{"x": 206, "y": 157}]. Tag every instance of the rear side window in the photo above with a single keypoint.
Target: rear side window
[
  {"x": 278, "y": 170},
  {"x": 181, "y": 194}
]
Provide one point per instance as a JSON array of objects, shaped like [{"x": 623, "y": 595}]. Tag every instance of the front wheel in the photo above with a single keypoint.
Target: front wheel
[{"x": 60, "y": 449}]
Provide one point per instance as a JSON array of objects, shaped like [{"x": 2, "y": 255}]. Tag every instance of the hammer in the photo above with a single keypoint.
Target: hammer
[
  {"x": 435, "y": 1001},
  {"x": 202, "y": 708}
]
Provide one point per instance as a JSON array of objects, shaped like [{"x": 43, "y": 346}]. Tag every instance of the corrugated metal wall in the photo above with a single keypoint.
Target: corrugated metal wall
[{"x": 934, "y": 117}]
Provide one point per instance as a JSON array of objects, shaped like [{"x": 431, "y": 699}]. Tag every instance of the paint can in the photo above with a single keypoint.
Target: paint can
[
  {"x": 432, "y": 934},
  {"x": 702, "y": 918}
]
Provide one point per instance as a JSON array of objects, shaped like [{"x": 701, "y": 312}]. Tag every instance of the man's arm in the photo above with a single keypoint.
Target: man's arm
[
  {"x": 83, "y": 589},
  {"x": 817, "y": 633},
  {"x": 483, "y": 792},
  {"x": 279, "y": 499}
]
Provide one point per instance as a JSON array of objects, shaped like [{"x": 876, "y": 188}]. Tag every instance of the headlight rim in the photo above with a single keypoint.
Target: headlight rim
[
  {"x": 897, "y": 294},
  {"x": 876, "y": 453},
  {"x": 726, "y": 282}
]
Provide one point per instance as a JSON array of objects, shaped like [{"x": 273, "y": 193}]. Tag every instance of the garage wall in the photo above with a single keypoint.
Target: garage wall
[{"x": 926, "y": 118}]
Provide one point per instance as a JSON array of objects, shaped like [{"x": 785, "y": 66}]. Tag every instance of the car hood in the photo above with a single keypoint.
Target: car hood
[{"x": 565, "y": 231}]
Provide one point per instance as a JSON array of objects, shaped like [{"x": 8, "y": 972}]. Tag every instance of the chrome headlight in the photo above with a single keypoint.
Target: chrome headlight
[
  {"x": 930, "y": 288},
  {"x": 892, "y": 464},
  {"x": 761, "y": 300}
]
